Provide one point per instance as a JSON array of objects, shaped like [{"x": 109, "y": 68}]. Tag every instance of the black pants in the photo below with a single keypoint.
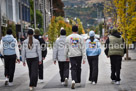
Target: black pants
[
  {"x": 93, "y": 64},
  {"x": 76, "y": 68},
  {"x": 115, "y": 67},
  {"x": 10, "y": 63},
  {"x": 33, "y": 64},
  {"x": 41, "y": 71},
  {"x": 64, "y": 70}
]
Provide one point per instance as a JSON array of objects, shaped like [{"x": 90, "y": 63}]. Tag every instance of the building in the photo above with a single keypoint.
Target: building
[
  {"x": 11, "y": 10},
  {"x": 15, "y": 12},
  {"x": 40, "y": 6}
]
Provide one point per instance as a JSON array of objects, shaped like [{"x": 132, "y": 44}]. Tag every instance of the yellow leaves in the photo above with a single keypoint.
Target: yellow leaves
[{"x": 126, "y": 12}]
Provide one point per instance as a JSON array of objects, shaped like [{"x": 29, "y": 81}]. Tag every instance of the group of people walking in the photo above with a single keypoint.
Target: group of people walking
[
  {"x": 70, "y": 52},
  {"x": 74, "y": 49},
  {"x": 33, "y": 51}
]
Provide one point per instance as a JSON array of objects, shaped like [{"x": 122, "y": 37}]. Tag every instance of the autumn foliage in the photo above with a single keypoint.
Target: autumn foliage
[{"x": 57, "y": 23}]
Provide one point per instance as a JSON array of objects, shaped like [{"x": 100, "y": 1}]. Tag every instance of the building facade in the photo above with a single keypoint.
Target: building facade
[
  {"x": 11, "y": 11},
  {"x": 40, "y": 6}
]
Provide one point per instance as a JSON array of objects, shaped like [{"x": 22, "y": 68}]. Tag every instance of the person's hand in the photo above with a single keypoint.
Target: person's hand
[
  {"x": 55, "y": 62},
  {"x": 43, "y": 58},
  {"x": 83, "y": 61},
  {"x": 40, "y": 62},
  {"x": 67, "y": 60},
  {"x": 18, "y": 61},
  {"x": 24, "y": 64}
]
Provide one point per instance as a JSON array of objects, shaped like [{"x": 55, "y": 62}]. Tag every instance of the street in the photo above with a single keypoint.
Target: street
[{"x": 52, "y": 79}]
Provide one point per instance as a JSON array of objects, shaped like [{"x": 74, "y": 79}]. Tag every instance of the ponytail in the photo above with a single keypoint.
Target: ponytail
[{"x": 30, "y": 42}]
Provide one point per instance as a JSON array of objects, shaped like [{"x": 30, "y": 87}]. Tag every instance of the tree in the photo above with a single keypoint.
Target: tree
[
  {"x": 80, "y": 27},
  {"x": 52, "y": 32},
  {"x": 31, "y": 11},
  {"x": 126, "y": 12},
  {"x": 39, "y": 17},
  {"x": 39, "y": 21},
  {"x": 110, "y": 10},
  {"x": 58, "y": 8}
]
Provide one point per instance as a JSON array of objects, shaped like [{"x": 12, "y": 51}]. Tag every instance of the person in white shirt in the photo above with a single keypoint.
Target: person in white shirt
[{"x": 10, "y": 51}]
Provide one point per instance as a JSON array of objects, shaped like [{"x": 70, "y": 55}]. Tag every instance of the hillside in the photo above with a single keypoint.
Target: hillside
[
  {"x": 87, "y": 10},
  {"x": 76, "y": 2}
]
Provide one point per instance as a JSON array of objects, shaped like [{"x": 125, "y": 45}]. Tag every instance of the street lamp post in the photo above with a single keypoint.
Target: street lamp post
[
  {"x": 21, "y": 18},
  {"x": 0, "y": 20},
  {"x": 51, "y": 8},
  {"x": 34, "y": 15},
  {"x": 44, "y": 16}
]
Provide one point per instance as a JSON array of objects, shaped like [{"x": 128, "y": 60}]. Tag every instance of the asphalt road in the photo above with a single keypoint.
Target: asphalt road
[{"x": 52, "y": 78}]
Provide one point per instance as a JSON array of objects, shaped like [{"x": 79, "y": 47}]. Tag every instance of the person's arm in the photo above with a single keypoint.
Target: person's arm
[
  {"x": 107, "y": 47},
  {"x": 107, "y": 43},
  {"x": 55, "y": 51},
  {"x": 83, "y": 46},
  {"x": 87, "y": 46},
  {"x": 39, "y": 51},
  {"x": 99, "y": 49},
  {"x": 124, "y": 46},
  {"x": 66, "y": 48},
  {"x": 17, "y": 50},
  {"x": 23, "y": 52},
  {"x": 44, "y": 48},
  {"x": 1, "y": 47}
]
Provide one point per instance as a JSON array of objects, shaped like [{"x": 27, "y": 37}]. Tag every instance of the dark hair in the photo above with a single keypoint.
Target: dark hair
[
  {"x": 63, "y": 32},
  {"x": 37, "y": 31},
  {"x": 9, "y": 31},
  {"x": 30, "y": 32},
  {"x": 92, "y": 38},
  {"x": 75, "y": 28},
  {"x": 30, "y": 42}
]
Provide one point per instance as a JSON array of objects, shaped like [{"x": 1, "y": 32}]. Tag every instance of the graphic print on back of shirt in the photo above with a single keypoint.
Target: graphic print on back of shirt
[
  {"x": 92, "y": 45},
  {"x": 74, "y": 42}
]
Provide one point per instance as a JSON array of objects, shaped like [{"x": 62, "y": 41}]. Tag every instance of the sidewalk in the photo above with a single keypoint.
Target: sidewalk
[
  {"x": 1, "y": 63},
  {"x": 132, "y": 55}
]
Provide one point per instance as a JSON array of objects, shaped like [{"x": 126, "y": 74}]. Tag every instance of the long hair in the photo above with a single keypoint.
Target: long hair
[
  {"x": 92, "y": 38},
  {"x": 30, "y": 42},
  {"x": 30, "y": 37}
]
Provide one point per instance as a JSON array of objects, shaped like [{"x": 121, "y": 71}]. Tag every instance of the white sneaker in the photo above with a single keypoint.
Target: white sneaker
[
  {"x": 66, "y": 82},
  {"x": 78, "y": 84},
  {"x": 6, "y": 81},
  {"x": 10, "y": 84},
  {"x": 117, "y": 83},
  {"x": 113, "y": 82},
  {"x": 93, "y": 83},
  {"x": 73, "y": 85},
  {"x": 31, "y": 88},
  {"x": 62, "y": 83},
  {"x": 41, "y": 81}
]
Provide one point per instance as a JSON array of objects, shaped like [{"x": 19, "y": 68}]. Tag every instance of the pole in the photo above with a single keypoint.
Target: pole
[
  {"x": 0, "y": 20},
  {"x": 34, "y": 15},
  {"x": 51, "y": 8},
  {"x": 44, "y": 16},
  {"x": 21, "y": 18}
]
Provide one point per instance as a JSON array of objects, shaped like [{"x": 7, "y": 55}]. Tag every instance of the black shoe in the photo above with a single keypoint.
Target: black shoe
[{"x": 6, "y": 83}]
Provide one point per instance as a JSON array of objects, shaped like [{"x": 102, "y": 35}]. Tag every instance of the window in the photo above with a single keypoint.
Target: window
[{"x": 9, "y": 9}]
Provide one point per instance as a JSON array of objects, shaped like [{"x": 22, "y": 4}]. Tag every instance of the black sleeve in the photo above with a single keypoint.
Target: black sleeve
[
  {"x": 107, "y": 43},
  {"x": 124, "y": 46},
  {"x": 106, "y": 47},
  {"x": 44, "y": 47}
]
